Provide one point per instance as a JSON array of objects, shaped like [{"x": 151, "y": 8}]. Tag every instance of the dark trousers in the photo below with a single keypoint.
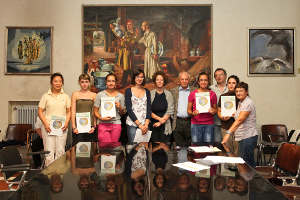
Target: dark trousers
[
  {"x": 182, "y": 133},
  {"x": 37, "y": 145},
  {"x": 83, "y": 137}
]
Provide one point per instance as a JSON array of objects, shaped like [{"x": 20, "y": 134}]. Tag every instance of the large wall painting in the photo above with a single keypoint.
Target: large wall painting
[
  {"x": 28, "y": 50},
  {"x": 121, "y": 39},
  {"x": 271, "y": 52}
]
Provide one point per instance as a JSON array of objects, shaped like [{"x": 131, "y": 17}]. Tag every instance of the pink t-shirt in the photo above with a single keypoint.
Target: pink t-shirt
[{"x": 202, "y": 118}]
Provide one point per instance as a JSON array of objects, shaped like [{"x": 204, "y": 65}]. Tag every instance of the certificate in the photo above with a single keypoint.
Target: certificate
[
  {"x": 202, "y": 102},
  {"x": 83, "y": 122},
  {"x": 227, "y": 106},
  {"x": 56, "y": 124},
  {"x": 108, "y": 107},
  {"x": 139, "y": 137},
  {"x": 108, "y": 164},
  {"x": 83, "y": 149}
]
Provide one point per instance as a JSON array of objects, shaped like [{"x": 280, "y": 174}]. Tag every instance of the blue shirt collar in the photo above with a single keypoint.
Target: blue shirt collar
[{"x": 187, "y": 89}]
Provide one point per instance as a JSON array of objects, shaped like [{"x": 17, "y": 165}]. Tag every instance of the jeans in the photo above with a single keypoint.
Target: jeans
[
  {"x": 217, "y": 133},
  {"x": 131, "y": 131},
  {"x": 246, "y": 150},
  {"x": 202, "y": 133}
]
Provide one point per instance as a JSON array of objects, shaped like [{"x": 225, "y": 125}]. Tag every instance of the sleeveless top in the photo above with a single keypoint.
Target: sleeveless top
[{"x": 85, "y": 105}]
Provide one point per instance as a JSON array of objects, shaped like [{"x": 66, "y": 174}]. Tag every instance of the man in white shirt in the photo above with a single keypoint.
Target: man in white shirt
[{"x": 220, "y": 88}]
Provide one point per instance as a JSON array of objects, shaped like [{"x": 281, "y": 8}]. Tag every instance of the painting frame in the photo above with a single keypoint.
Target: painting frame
[
  {"x": 184, "y": 28},
  {"x": 271, "y": 51},
  {"x": 29, "y": 50}
]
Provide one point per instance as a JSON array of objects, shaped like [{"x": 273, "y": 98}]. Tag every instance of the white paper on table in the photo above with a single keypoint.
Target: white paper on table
[
  {"x": 224, "y": 159},
  {"x": 108, "y": 164},
  {"x": 108, "y": 107},
  {"x": 190, "y": 166},
  {"x": 56, "y": 124},
  {"x": 228, "y": 106},
  {"x": 83, "y": 122},
  {"x": 204, "y": 162},
  {"x": 202, "y": 102},
  {"x": 83, "y": 149},
  {"x": 205, "y": 149},
  {"x": 142, "y": 138}
]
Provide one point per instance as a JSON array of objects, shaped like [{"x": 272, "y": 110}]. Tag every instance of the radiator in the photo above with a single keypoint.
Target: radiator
[{"x": 27, "y": 115}]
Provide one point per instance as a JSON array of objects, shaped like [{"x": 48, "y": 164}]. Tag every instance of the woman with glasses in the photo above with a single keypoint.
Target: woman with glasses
[
  {"x": 109, "y": 128},
  {"x": 138, "y": 104},
  {"x": 244, "y": 126}
]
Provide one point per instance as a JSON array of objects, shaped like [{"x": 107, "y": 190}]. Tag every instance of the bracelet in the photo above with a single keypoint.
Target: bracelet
[
  {"x": 228, "y": 153},
  {"x": 229, "y": 132},
  {"x": 74, "y": 128},
  {"x": 139, "y": 124}
]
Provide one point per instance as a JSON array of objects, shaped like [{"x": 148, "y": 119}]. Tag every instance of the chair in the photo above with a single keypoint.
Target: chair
[
  {"x": 271, "y": 136},
  {"x": 12, "y": 164},
  {"x": 286, "y": 165},
  {"x": 293, "y": 193},
  {"x": 17, "y": 133}
]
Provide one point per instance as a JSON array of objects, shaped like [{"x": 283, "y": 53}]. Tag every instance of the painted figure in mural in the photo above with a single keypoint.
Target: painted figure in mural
[
  {"x": 29, "y": 47},
  {"x": 125, "y": 59},
  {"x": 152, "y": 61}
]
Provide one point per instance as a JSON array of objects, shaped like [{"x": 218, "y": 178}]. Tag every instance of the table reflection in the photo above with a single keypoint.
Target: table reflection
[{"x": 144, "y": 171}]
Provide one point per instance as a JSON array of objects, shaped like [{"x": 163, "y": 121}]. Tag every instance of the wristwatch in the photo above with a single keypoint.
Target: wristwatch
[{"x": 229, "y": 132}]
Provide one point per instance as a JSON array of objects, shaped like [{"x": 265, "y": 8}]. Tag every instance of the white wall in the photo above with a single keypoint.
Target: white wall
[{"x": 276, "y": 98}]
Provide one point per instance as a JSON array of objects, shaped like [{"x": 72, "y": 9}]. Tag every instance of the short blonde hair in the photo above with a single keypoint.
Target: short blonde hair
[{"x": 84, "y": 76}]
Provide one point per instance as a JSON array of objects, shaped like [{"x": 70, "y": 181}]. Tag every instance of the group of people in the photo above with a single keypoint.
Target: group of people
[{"x": 161, "y": 111}]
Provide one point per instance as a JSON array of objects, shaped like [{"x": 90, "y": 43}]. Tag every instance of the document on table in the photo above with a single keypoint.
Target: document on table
[
  {"x": 205, "y": 149},
  {"x": 83, "y": 122},
  {"x": 56, "y": 124},
  {"x": 224, "y": 159},
  {"x": 108, "y": 107},
  {"x": 190, "y": 166},
  {"x": 108, "y": 164},
  {"x": 202, "y": 102},
  {"x": 83, "y": 149},
  {"x": 142, "y": 138},
  {"x": 205, "y": 162},
  {"x": 227, "y": 106}
]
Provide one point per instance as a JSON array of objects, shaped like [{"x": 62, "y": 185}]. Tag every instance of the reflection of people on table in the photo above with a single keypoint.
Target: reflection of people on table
[
  {"x": 83, "y": 101},
  {"x": 203, "y": 185},
  {"x": 125, "y": 59},
  {"x": 138, "y": 105},
  {"x": 231, "y": 184},
  {"x": 55, "y": 172},
  {"x": 162, "y": 158},
  {"x": 135, "y": 167},
  {"x": 162, "y": 106},
  {"x": 244, "y": 125},
  {"x": 184, "y": 188},
  {"x": 109, "y": 129},
  {"x": 55, "y": 103},
  {"x": 220, "y": 182},
  {"x": 151, "y": 62}
]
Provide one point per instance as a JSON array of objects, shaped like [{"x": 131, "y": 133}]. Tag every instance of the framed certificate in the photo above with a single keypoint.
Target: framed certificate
[
  {"x": 108, "y": 107},
  {"x": 202, "y": 102},
  {"x": 228, "y": 106}
]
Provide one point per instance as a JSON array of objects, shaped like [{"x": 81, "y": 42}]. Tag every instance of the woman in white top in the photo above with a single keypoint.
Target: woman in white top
[
  {"x": 55, "y": 103},
  {"x": 82, "y": 102}
]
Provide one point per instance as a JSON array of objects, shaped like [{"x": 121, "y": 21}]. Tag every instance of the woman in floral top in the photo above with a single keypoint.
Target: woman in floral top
[{"x": 138, "y": 104}]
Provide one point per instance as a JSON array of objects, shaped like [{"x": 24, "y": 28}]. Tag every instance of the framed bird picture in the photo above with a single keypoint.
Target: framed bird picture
[
  {"x": 28, "y": 50},
  {"x": 271, "y": 51}
]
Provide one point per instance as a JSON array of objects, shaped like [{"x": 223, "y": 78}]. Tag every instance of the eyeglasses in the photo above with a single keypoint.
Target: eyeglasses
[
  {"x": 219, "y": 75},
  {"x": 139, "y": 77}
]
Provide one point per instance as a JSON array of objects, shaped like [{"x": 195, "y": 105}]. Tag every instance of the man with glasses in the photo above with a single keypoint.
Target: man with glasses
[{"x": 220, "y": 88}]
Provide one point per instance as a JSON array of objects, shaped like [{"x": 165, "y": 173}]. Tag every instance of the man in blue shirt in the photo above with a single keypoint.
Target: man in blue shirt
[{"x": 181, "y": 124}]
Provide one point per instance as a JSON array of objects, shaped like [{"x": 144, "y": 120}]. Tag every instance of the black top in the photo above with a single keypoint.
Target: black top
[{"x": 159, "y": 107}]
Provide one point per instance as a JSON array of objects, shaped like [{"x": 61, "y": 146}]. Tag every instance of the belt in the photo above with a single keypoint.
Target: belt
[{"x": 185, "y": 119}]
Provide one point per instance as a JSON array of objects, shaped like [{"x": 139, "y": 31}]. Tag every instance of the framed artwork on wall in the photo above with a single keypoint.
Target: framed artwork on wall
[
  {"x": 28, "y": 50},
  {"x": 121, "y": 39},
  {"x": 271, "y": 51}
]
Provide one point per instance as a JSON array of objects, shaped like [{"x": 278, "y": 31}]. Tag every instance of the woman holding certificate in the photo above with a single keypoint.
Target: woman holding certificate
[
  {"x": 162, "y": 106},
  {"x": 138, "y": 105},
  {"x": 56, "y": 105},
  {"x": 112, "y": 106},
  {"x": 228, "y": 120},
  {"x": 244, "y": 126},
  {"x": 202, "y": 106}
]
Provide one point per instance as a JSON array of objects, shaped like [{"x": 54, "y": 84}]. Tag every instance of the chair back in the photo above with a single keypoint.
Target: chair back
[
  {"x": 10, "y": 156},
  {"x": 17, "y": 131},
  {"x": 288, "y": 158},
  {"x": 275, "y": 129}
]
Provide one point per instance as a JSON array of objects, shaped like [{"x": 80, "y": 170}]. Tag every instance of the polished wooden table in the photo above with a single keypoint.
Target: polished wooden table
[{"x": 71, "y": 178}]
